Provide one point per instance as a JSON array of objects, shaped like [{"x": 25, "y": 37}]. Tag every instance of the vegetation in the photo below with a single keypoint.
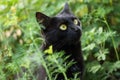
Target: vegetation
[{"x": 20, "y": 38}]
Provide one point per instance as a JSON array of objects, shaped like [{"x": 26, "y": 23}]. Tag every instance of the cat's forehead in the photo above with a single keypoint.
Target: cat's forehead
[{"x": 64, "y": 17}]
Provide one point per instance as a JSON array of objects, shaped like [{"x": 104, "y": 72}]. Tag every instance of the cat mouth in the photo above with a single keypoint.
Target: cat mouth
[{"x": 73, "y": 40}]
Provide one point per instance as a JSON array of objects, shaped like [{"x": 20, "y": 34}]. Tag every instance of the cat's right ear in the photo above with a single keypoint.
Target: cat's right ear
[{"x": 42, "y": 18}]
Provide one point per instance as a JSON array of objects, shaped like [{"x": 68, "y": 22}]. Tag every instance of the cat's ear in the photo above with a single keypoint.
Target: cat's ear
[
  {"x": 42, "y": 18},
  {"x": 66, "y": 9}
]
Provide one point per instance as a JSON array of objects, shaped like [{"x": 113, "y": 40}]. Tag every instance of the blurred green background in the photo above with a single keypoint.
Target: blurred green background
[{"x": 20, "y": 36}]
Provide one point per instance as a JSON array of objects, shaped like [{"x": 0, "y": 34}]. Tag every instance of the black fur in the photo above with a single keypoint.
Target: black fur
[{"x": 67, "y": 41}]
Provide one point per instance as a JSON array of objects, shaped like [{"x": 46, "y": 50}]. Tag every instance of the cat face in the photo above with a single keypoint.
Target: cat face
[{"x": 64, "y": 28}]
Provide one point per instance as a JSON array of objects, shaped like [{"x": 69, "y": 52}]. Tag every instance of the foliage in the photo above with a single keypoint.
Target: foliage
[{"x": 20, "y": 38}]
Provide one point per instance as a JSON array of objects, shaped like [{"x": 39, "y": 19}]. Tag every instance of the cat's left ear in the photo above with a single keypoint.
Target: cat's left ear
[{"x": 42, "y": 18}]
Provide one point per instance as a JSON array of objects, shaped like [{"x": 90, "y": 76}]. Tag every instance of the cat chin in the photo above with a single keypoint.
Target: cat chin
[{"x": 72, "y": 42}]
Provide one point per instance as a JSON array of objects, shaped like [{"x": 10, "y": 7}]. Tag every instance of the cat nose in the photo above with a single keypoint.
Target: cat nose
[
  {"x": 75, "y": 28},
  {"x": 78, "y": 28}
]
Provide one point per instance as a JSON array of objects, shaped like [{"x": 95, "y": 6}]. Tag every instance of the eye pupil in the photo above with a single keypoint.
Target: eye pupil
[{"x": 63, "y": 27}]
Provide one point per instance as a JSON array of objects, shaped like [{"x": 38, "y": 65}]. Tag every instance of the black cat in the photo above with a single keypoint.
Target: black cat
[{"x": 63, "y": 32}]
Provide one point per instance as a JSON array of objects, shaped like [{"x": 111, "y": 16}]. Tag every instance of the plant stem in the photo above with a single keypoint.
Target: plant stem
[
  {"x": 63, "y": 72},
  {"x": 65, "y": 76},
  {"x": 43, "y": 62},
  {"x": 117, "y": 56}
]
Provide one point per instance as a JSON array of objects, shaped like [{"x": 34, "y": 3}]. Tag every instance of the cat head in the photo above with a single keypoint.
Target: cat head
[{"x": 64, "y": 28}]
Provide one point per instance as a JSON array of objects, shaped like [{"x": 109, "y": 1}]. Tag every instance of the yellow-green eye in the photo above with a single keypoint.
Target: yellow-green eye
[
  {"x": 63, "y": 27},
  {"x": 75, "y": 21}
]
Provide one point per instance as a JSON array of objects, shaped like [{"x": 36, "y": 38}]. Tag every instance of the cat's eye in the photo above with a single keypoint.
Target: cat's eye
[
  {"x": 75, "y": 21},
  {"x": 63, "y": 27}
]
